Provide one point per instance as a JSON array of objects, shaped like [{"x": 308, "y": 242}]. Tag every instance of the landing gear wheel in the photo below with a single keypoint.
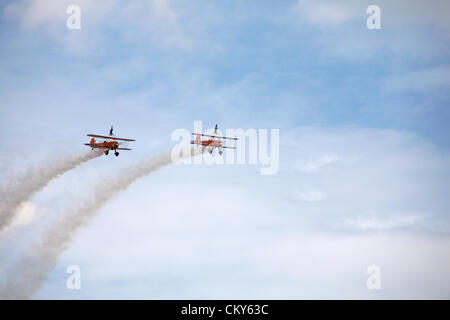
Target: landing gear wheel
[
  {"x": 106, "y": 152},
  {"x": 116, "y": 153},
  {"x": 220, "y": 153}
]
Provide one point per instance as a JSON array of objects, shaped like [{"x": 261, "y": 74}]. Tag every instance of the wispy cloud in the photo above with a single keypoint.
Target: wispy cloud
[
  {"x": 325, "y": 13},
  {"x": 314, "y": 165},
  {"x": 374, "y": 223},
  {"x": 158, "y": 21},
  {"x": 420, "y": 80},
  {"x": 310, "y": 196},
  {"x": 343, "y": 32}
]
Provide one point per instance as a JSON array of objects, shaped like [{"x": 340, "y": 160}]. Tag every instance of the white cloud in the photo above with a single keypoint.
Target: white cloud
[
  {"x": 310, "y": 196},
  {"x": 400, "y": 13},
  {"x": 374, "y": 223},
  {"x": 343, "y": 32},
  {"x": 312, "y": 262},
  {"x": 395, "y": 174},
  {"x": 39, "y": 13},
  {"x": 158, "y": 247},
  {"x": 143, "y": 244},
  {"x": 158, "y": 21},
  {"x": 420, "y": 80},
  {"x": 326, "y": 12},
  {"x": 313, "y": 165}
]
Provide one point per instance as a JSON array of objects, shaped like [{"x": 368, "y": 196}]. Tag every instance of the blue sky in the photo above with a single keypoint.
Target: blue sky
[{"x": 364, "y": 154}]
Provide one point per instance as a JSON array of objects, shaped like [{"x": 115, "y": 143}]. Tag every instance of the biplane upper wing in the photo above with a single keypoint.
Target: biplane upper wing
[
  {"x": 207, "y": 135},
  {"x": 109, "y": 137}
]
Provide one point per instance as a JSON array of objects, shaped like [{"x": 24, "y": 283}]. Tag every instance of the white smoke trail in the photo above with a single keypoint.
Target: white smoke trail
[
  {"x": 32, "y": 270},
  {"x": 22, "y": 188}
]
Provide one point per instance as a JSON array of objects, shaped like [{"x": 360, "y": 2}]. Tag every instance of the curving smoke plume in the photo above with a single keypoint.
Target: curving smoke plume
[
  {"x": 32, "y": 270},
  {"x": 22, "y": 188}
]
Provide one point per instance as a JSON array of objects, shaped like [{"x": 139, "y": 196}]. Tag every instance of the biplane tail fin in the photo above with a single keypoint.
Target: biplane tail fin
[
  {"x": 92, "y": 142},
  {"x": 197, "y": 140}
]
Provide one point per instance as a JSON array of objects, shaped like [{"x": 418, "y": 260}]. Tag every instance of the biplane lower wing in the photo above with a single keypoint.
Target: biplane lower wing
[
  {"x": 201, "y": 144},
  {"x": 104, "y": 147},
  {"x": 206, "y": 146},
  {"x": 96, "y": 146}
]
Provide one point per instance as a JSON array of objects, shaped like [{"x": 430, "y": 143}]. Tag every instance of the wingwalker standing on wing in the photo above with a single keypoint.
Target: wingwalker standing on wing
[
  {"x": 110, "y": 143},
  {"x": 215, "y": 141}
]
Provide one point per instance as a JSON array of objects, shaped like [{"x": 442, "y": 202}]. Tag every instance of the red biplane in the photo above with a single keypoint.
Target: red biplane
[
  {"x": 215, "y": 141},
  {"x": 109, "y": 143}
]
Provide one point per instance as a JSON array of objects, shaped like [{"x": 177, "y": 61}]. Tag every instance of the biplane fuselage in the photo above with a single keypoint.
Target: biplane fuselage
[
  {"x": 210, "y": 143},
  {"x": 111, "y": 145}
]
